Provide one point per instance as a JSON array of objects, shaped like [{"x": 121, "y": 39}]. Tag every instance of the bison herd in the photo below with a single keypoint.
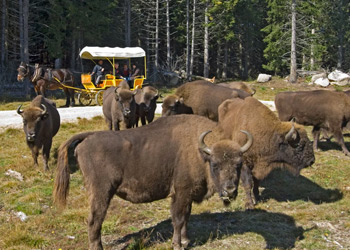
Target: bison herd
[{"x": 209, "y": 138}]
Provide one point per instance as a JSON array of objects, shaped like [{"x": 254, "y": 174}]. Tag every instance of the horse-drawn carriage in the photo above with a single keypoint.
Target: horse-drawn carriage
[
  {"x": 52, "y": 79},
  {"x": 111, "y": 55}
]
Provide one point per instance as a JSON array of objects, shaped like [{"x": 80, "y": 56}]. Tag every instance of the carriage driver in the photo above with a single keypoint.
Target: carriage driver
[{"x": 98, "y": 71}]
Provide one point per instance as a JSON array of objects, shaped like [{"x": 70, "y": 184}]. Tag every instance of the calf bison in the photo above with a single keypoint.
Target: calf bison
[
  {"x": 324, "y": 110},
  {"x": 238, "y": 85},
  {"x": 119, "y": 107},
  {"x": 141, "y": 166},
  {"x": 275, "y": 144},
  {"x": 41, "y": 122},
  {"x": 146, "y": 104},
  {"x": 200, "y": 98}
]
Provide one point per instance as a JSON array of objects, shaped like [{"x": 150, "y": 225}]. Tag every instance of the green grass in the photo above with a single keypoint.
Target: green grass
[{"x": 311, "y": 211}]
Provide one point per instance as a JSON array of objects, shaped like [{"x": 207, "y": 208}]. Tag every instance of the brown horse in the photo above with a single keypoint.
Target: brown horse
[{"x": 44, "y": 78}]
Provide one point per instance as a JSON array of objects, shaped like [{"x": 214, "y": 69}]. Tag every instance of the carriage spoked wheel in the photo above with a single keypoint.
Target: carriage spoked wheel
[
  {"x": 85, "y": 98},
  {"x": 99, "y": 97}
]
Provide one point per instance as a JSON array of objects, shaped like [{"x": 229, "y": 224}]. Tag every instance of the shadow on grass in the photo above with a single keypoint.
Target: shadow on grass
[
  {"x": 278, "y": 230},
  {"x": 326, "y": 145},
  {"x": 283, "y": 186}
]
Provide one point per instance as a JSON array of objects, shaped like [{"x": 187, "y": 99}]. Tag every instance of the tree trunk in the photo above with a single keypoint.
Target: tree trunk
[
  {"x": 127, "y": 23},
  {"x": 21, "y": 33},
  {"x": 157, "y": 36},
  {"x": 340, "y": 36},
  {"x": 25, "y": 31},
  {"x": 193, "y": 36},
  {"x": 168, "y": 56},
  {"x": 3, "y": 35},
  {"x": 224, "y": 65},
  {"x": 293, "y": 58},
  {"x": 187, "y": 39},
  {"x": 73, "y": 53},
  {"x": 206, "y": 42}
]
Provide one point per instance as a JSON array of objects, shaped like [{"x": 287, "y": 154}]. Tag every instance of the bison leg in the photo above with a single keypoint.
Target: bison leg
[
  {"x": 180, "y": 213},
  {"x": 316, "y": 134},
  {"x": 46, "y": 154},
  {"x": 338, "y": 135},
  {"x": 98, "y": 209},
  {"x": 116, "y": 125},
  {"x": 143, "y": 120},
  {"x": 35, "y": 153},
  {"x": 256, "y": 190},
  {"x": 247, "y": 183}
]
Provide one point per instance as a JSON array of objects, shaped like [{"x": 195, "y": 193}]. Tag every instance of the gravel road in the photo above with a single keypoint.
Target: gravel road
[{"x": 10, "y": 118}]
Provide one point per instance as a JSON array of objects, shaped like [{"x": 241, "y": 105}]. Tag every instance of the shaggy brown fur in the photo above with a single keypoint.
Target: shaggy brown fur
[
  {"x": 238, "y": 85},
  {"x": 322, "y": 109},
  {"x": 40, "y": 127},
  {"x": 119, "y": 107},
  {"x": 202, "y": 97},
  {"x": 270, "y": 149},
  {"x": 141, "y": 166},
  {"x": 48, "y": 81},
  {"x": 146, "y": 104}
]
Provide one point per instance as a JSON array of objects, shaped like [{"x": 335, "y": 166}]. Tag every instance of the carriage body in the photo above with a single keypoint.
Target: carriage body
[{"x": 112, "y": 55}]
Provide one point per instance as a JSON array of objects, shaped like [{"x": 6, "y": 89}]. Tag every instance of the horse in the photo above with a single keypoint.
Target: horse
[{"x": 51, "y": 79}]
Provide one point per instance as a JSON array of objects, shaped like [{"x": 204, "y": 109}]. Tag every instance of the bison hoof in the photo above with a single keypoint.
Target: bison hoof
[
  {"x": 249, "y": 206},
  {"x": 185, "y": 242}
]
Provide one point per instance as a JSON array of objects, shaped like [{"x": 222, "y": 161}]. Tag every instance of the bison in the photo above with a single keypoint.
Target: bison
[
  {"x": 146, "y": 104},
  {"x": 140, "y": 166},
  {"x": 41, "y": 122},
  {"x": 200, "y": 98},
  {"x": 238, "y": 85},
  {"x": 119, "y": 106},
  {"x": 275, "y": 144},
  {"x": 324, "y": 110}
]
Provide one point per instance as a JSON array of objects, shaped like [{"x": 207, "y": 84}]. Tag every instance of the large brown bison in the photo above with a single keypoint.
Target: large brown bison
[
  {"x": 238, "y": 85},
  {"x": 119, "y": 107},
  {"x": 200, "y": 98},
  {"x": 44, "y": 78},
  {"x": 140, "y": 166},
  {"x": 322, "y": 109},
  {"x": 41, "y": 122},
  {"x": 146, "y": 104},
  {"x": 275, "y": 144}
]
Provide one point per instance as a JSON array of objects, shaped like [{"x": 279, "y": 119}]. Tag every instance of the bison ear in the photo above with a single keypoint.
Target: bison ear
[{"x": 181, "y": 100}]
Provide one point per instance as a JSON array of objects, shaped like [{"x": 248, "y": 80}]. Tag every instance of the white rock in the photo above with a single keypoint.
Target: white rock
[
  {"x": 264, "y": 78},
  {"x": 324, "y": 82},
  {"x": 14, "y": 174}
]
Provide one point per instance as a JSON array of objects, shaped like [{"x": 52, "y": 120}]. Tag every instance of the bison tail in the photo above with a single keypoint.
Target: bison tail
[{"x": 61, "y": 186}]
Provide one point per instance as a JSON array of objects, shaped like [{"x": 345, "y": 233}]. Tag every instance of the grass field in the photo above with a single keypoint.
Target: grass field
[{"x": 311, "y": 211}]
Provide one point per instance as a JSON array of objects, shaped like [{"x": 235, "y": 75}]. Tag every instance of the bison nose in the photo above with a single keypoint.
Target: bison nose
[
  {"x": 230, "y": 192},
  {"x": 31, "y": 136}
]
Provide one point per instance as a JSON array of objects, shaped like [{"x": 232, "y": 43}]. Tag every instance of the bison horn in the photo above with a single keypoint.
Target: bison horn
[
  {"x": 202, "y": 145},
  {"x": 246, "y": 146},
  {"x": 19, "y": 111},
  {"x": 44, "y": 109},
  {"x": 291, "y": 131},
  {"x": 253, "y": 91},
  {"x": 157, "y": 92}
]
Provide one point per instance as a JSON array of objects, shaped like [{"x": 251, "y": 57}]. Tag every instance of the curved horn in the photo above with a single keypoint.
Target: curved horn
[
  {"x": 116, "y": 91},
  {"x": 44, "y": 109},
  {"x": 19, "y": 111},
  {"x": 202, "y": 145},
  {"x": 247, "y": 145},
  {"x": 156, "y": 93},
  {"x": 291, "y": 131},
  {"x": 253, "y": 91}
]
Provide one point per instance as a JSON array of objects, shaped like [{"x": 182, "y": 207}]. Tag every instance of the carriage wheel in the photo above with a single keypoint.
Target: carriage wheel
[
  {"x": 84, "y": 98},
  {"x": 99, "y": 97}
]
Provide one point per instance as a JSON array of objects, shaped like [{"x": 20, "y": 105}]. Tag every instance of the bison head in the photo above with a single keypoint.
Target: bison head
[
  {"x": 225, "y": 160},
  {"x": 125, "y": 98},
  {"x": 32, "y": 118},
  {"x": 23, "y": 72},
  {"x": 173, "y": 105},
  {"x": 295, "y": 149},
  {"x": 148, "y": 94}
]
